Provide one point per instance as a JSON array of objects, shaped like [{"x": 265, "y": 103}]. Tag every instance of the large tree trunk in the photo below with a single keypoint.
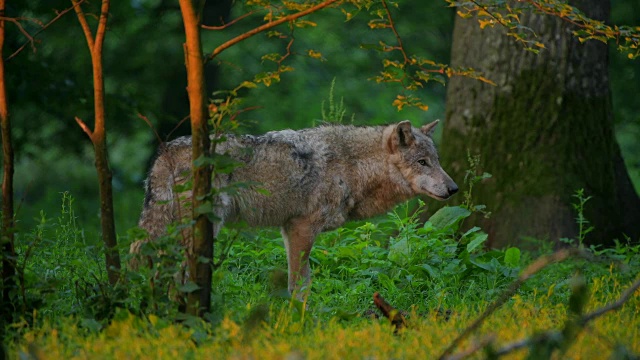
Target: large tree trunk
[{"x": 544, "y": 131}]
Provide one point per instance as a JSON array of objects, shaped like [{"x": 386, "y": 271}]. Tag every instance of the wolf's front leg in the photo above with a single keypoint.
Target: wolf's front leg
[{"x": 298, "y": 236}]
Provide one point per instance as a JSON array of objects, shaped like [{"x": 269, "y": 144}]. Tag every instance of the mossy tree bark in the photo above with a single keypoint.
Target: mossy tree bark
[{"x": 543, "y": 132}]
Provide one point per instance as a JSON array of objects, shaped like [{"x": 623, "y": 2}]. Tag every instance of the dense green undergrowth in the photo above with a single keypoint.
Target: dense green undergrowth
[{"x": 438, "y": 272}]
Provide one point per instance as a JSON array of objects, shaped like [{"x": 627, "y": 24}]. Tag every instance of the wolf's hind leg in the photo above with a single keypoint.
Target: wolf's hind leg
[{"x": 298, "y": 236}]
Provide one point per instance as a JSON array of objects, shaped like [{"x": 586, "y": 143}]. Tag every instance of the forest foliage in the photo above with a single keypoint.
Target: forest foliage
[
  {"x": 145, "y": 77},
  {"x": 438, "y": 270}
]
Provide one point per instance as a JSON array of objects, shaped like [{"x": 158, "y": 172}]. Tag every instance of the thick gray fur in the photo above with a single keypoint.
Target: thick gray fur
[{"x": 316, "y": 178}]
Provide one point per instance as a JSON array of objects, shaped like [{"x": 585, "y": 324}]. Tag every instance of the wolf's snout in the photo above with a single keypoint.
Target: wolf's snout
[{"x": 452, "y": 188}]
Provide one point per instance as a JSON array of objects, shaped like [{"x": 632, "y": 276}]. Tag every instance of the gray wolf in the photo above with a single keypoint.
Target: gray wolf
[{"x": 317, "y": 179}]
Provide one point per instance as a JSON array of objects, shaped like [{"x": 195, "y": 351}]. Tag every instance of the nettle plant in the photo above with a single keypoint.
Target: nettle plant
[{"x": 412, "y": 261}]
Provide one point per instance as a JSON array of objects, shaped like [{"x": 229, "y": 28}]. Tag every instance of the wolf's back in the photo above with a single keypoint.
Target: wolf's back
[
  {"x": 300, "y": 170},
  {"x": 288, "y": 164}
]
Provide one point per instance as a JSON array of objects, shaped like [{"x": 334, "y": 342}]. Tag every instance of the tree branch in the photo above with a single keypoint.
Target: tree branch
[
  {"x": 102, "y": 25},
  {"x": 83, "y": 23},
  {"x": 24, "y": 32},
  {"x": 529, "y": 271},
  {"x": 613, "y": 306},
  {"x": 155, "y": 132},
  {"x": 224, "y": 26},
  {"x": 267, "y": 26},
  {"x": 395, "y": 32},
  {"x": 582, "y": 321},
  {"x": 31, "y": 38},
  {"x": 84, "y": 127}
]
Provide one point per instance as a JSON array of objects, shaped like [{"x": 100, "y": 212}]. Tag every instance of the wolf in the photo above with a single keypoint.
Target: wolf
[{"x": 315, "y": 179}]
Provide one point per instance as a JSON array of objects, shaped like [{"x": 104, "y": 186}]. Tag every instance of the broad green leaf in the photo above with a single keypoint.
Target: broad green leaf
[
  {"x": 471, "y": 231},
  {"x": 429, "y": 269},
  {"x": 477, "y": 241},
  {"x": 202, "y": 161},
  {"x": 512, "y": 257},
  {"x": 399, "y": 252},
  {"x": 448, "y": 216},
  {"x": 491, "y": 265}
]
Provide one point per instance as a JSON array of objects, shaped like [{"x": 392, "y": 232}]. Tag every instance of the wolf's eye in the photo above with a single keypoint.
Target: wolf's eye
[{"x": 422, "y": 162}]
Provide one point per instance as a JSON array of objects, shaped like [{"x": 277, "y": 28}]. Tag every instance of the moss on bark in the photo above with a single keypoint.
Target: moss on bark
[{"x": 543, "y": 132}]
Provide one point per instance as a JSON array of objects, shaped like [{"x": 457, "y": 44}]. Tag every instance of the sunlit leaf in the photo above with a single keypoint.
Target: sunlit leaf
[{"x": 512, "y": 257}]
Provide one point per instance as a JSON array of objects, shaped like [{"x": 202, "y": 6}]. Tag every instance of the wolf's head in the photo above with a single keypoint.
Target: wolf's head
[{"x": 413, "y": 152}]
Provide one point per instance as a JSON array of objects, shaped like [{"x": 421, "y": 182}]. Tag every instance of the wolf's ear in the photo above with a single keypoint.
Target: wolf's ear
[
  {"x": 400, "y": 136},
  {"x": 403, "y": 132},
  {"x": 429, "y": 128}
]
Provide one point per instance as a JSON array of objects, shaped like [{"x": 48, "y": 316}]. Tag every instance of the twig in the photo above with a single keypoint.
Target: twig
[
  {"x": 24, "y": 32},
  {"x": 83, "y": 23},
  {"x": 532, "y": 269},
  {"x": 178, "y": 125},
  {"x": 581, "y": 22},
  {"x": 390, "y": 312},
  {"x": 516, "y": 345},
  {"x": 395, "y": 32},
  {"x": 250, "y": 108},
  {"x": 613, "y": 306},
  {"x": 486, "y": 8},
  {"x": 470, "y": 351},
  {"x": 582, "y": 321},
  {"x": 549, "y": 12},
  {"x": 266, "y": 26},
  {"x": 155, "y": 132},
  {"x": 224, "y": 26},
  {"x": 84, "y": 127},
  {"x": 31, "y": 38},
  {"x": 102, "y": 26},
  {"x": 288, "y": 53}
]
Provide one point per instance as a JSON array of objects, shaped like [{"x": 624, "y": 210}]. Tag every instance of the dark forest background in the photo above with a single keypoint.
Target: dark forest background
[{"x": 145, "y": 77}]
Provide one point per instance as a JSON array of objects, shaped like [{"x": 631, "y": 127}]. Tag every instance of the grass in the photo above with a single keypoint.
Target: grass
[
  {"x": 67, "y": 311},
  {"x": 283, "y": 336}
]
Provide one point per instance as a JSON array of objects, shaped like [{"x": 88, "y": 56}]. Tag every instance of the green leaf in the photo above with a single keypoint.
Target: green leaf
[
  {"x": 248, "y": 84},
  {"x": 512, "y": 257},
  {"x": 91, "y": 324},
  {"x": 202, "y": 161},
  {"x": 448, "y": 216},
  {"x": 386, "y": 281},
  {"x": 492, "y": 265},
  {"x": 471, "y": 231},
  {"x": 399, "y": 252},
  {"x": 204, "y": 208},
  {"x": 429, "y": 269},
  {"x": 188, "y": 287},
  {"x": 479, "y": 207},
  {"x": 477, "y": 241}
]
